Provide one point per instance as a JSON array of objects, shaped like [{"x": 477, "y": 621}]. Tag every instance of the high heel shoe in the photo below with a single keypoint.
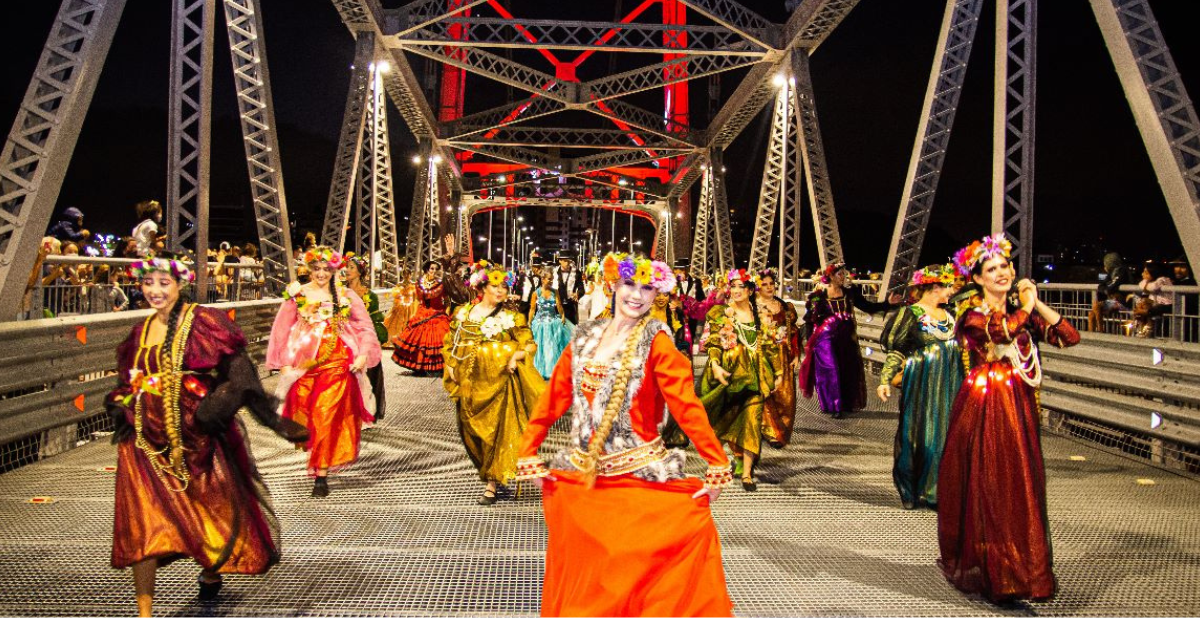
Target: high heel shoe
[{"x": 488, "y": 498}]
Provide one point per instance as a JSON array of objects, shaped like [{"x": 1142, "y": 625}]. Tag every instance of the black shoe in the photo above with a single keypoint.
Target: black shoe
[
  {"x": 209, "y": 590},
  {"x": 748, "y": 485},
  {"x": 321, "y": 487},
  {"x": 488, "y": 498},
  {"x": 837, "y": 415}
]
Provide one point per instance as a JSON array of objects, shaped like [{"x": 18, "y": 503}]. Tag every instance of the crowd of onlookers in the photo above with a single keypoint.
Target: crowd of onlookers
[
  {"x": 92, "y": 286},
  {"x": 1144, "y": 311}
]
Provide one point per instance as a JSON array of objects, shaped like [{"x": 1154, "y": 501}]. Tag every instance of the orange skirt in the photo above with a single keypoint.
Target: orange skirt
[
  {"x": 631, "y": 548},
  {"x": 327, "y": 400}
]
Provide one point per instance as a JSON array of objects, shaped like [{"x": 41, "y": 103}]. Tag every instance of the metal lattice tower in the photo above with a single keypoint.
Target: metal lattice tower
[
  {"x": 375, "y": 227},
  {"x": 189, "y": 130},
  {"x": 1013, "y": 127},
  {"x": 346, "y": 164}
]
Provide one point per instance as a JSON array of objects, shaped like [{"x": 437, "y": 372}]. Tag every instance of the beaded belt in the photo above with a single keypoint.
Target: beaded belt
[{"x": 626, "y": 461}]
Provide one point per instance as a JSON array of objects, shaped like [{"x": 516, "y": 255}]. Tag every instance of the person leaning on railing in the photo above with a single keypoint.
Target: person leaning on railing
[
  {"x": 1153, "y": 302},
  {"x": 1108, "y": 298}
]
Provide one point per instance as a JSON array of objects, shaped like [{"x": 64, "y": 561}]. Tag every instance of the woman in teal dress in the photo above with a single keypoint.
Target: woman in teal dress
[
  {"x": 551, "y": 330},
  {"x": 924, "y": 361},
  {"x": 742, "y": 371}
]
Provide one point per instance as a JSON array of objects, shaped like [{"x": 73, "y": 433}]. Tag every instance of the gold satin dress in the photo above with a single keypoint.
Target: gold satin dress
[{"x": 493, "y": 404}]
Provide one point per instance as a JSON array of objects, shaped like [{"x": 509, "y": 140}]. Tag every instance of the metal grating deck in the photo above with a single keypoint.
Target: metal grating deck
[{"x": 401, "y": 534}]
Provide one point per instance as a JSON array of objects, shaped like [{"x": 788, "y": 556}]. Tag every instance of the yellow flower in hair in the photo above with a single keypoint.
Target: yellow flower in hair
[
  {"x": 643, "y": 275},
  {"x": 496, "y": 277}
]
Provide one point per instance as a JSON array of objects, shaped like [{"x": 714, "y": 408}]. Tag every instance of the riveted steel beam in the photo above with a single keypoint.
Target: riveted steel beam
[
  {"x": 346, "y": 161},
  {"x": 1013, "y": 128}
]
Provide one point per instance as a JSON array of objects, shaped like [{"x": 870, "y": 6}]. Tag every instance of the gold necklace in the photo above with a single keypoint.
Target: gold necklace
[{"x": 171, "y": 378}]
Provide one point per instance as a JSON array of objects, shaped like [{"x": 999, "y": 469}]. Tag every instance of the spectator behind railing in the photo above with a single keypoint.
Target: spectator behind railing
[
  {"x": 1108, "y": 293},
  {"x": 148, "y": 237},
  {"x": 1153, "y": 303},
  {"x": 106, "y": 295}
]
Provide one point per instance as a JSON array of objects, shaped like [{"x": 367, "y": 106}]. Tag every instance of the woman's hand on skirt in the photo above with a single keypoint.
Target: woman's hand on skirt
[
  {"x": 359, "y": 364},
  {"x": 721, "y": 374},
  {"x": 538, "y": 482},
  {"x": 712, "y": 493}
]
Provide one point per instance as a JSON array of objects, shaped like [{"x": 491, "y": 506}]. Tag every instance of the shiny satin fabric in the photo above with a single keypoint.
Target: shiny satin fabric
[
  {"x": 404, "y": 305},
  {"x": 419, "y": 347},
  {"x": 223, "y": 519},
  {"x": 932, "y": 377},
  {"x": 833, "y": 366},
  {"x": 327, "y": 400},
  {"x": 631, "y": 548},
  {"x": 551, "y": 331},
  {"x": 779, "y": 409},
  {"x": 493, "y": 404},
  {"x": 736, "y": 410}
]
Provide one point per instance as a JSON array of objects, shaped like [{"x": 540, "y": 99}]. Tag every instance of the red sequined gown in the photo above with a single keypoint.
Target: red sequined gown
[{"x": 992, "y": 525}]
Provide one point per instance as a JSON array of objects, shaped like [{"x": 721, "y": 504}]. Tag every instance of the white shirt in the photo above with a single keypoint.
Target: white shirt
[{"x": 143, "y": 236}]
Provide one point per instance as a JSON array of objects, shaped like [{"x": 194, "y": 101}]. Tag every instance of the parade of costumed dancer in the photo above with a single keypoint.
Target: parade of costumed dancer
[
  {"x": 925, "y": 363},
  {"x": 629, "y": 534},
  {"x": 186, "y": 483},
  {"x": 742, "y": 372},
  {"x": 490, "y": 376},
  {"x": 833, "y": 363},
  {"x": 992, "y": 524},
  {"x": 551, "y": 330},
  {"x": 323, "y": 341},
  {"x": 356, "y": 269},
  {"x": 691, "y": 292},
  {"x": 779, "y": 321},
  {"x": 419, "y": 347},
  {"x": 404, "y": 304},
  {"x": 596, "y": 297}
]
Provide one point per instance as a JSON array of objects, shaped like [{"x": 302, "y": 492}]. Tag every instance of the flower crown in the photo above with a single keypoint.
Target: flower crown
[
  {"x": 322, "y": 253},
  {"x": 641, "y": 270},
  {"x": 935, "y": 274},
  {"x": 360, "y": 261},
  {"x": 177, "y": 268},
  {"x": 991, "y": 246},
  {"x": 827, "y": 275},
  {"x": 484, "y": 273},
  {"x": 751, "y": 281}
]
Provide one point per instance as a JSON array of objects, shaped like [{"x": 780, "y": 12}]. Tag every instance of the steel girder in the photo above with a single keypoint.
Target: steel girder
[
  {"x": 517, "y": 155},
  {"x": 584, "y": 35},
  {"x": 1013, "y": 127},
  {"x": 346, "y": 162},
  {"x": 933, "y": 136},
  {"x": 39, "y": 146},
  {"x": 660, "y": 75},
  {"x": 720, "y": 211},
  {"x": 781, "y": 160},
  {"x": 422, "y": 13},
  {"x": 622, "y": 112},
  {"x": 813, "y": 21},
  {"x": 424, "y": 217},
  {"x": 190, "y": 131},
  {"x": 252, "y": 84},
  {"x": 377, "y": 208},
  {"x": 359, "y": 15},
  {"x": 812, "y": 149},
  {"x": 702, "y": 253},
  {"x": 733, "y": 15},
  {"x": 664, "y": 237},
  {"x": 1165, "y": 115},
  {"x": 598, "y": 139},
  {"x": 499, "y": 69},
  {"x": 523, "y": 110},
  {"x": 624, "y": 157}
]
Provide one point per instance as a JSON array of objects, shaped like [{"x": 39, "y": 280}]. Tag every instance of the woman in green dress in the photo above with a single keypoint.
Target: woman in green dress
[
  {"x": 490, "y": 375},
  {"x": 742, "y": 371},
  {"x": 356, "y": 273},
  {"x": 925, "y": 363}
]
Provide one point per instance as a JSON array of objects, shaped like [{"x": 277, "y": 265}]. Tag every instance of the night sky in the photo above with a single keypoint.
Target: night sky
[{"x": 1093, "y": 181}]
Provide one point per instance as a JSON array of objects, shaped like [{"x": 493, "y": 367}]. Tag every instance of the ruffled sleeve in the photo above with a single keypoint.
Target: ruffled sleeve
[
  {"x": 555, "y": 401},
  {"x": 1061, "y": 334},
  {"x": 125, "y": 357},
  {"x": 898, "y": 341},
  {"x": 673, "y": 374},
  {"x": 277, "y": 350},
  {"x": 712, "y": 345},
  {"x": 363, "y": 330},
  {"x": 214, "y": 336}
]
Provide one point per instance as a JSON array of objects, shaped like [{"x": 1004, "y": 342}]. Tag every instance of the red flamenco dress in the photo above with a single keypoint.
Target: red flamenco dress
[
  {"x": 992, "y": 525},
  {"x": 419, "y": 347},
  {"x": 637, "y": 543},
  {"x": 186, "y": 483}
]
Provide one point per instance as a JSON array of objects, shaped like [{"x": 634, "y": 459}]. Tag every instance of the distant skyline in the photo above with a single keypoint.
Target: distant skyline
[{"x": 1093, "y": 178}]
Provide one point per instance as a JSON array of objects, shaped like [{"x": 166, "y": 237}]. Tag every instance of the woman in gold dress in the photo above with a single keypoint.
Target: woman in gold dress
[
  {"x": 404, "y": 304},
  {"x": 490, "y": 376},
  {"x": 779, "y": 322}
]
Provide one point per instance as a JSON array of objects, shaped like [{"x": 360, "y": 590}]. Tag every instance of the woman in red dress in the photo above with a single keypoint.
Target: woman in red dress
[
  {"x": 992, "y": 526},
  {"x": 323, "y": 341},
  {"x": 629, "y": 534},
  {"x": 186, "y": 483},
  {"x": 419, "y": 347}
]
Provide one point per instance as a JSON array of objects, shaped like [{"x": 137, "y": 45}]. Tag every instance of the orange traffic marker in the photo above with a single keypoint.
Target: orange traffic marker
[{"x": 81, "y": 334}]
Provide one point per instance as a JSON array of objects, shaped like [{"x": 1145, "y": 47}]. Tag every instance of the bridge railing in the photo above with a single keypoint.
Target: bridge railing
[{"x": 73, "y": 290}]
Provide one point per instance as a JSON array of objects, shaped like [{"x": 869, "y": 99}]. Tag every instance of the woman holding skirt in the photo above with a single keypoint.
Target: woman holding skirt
[
  {"x": 323, "y": 341},
  {"x": 779, "y": 322},
  {"x": 187, "y": 485},
  {"x": 629, "y": 534},
  {"x": 992, "y": 525},
  {"x": 419, "y": 347},
  {"x": 490, "y": 377},
  {"x": 404, "y": 304},
  {"x": 924, "y": 361},
  {"x": 549, "y": 325}
]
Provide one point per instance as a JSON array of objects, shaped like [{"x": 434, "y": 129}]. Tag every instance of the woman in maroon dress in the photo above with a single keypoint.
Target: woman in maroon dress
[
  {"x": 186, "y": 483},
  {"x": 992, "y": 526},
  {"x": 419, "y": 347}
]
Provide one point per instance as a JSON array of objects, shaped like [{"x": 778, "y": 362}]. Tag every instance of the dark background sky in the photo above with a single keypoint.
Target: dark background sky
[{"x": 1093, "y": 181}]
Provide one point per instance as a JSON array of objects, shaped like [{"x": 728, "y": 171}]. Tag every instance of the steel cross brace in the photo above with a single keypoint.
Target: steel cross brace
[
  {"x": 1013, "y": 129},
  {"x": 346, "y": 162},
  {"x": 598, "y": 139}
]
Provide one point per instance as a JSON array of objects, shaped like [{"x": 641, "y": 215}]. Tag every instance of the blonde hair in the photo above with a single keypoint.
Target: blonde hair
[{"x": 620, "y": 384}]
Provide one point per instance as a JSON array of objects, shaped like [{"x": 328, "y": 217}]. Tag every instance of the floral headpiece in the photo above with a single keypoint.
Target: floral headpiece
[
  {"x": 592, "y": 268},
  {"x": 177, "y": 268},
  {"x": 655, "y": 273},
  {"x": 751, "y": 281},
  {"x": 991, "y": 246},
  {"x": 935, "y": 274},
  {"x": 359, "y": 261},
  {"x": 827, "y": 275},
  {"x": 484, "y": 273},
  {"x": 322, "y": 253}
]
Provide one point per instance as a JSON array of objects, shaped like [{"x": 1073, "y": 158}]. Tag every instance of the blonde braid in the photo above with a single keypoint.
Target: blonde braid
[{"x": 620, "y": 384}]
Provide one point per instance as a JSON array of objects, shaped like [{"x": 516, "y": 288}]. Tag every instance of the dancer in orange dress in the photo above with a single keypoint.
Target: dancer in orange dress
[
  {"x": 629, "y": 534},
  {"x": 419, "y": 347},
  {"x": 404, "y": 304},
  {"x": 992, "y": 525},
  {"x": 324, "y": 341},
  {"x": 186, "y": 483}
]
